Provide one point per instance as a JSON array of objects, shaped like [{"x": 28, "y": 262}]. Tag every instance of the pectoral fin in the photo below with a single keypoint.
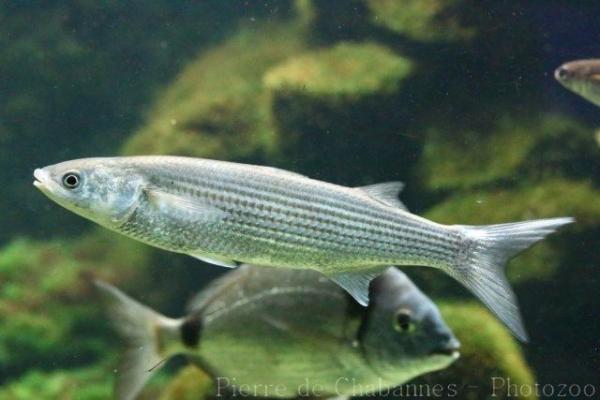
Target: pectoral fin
[
  {"x": 357, "y": 283},
  {"x": 386, "y": 193},
  {"x": 188, "y": 208}
]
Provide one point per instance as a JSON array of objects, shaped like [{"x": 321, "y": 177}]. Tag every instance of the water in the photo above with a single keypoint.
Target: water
[{"x": 456, "y": 99}]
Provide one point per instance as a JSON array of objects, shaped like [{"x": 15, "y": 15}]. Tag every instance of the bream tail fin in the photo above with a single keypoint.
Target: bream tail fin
[{"x": 144, "y": 332}]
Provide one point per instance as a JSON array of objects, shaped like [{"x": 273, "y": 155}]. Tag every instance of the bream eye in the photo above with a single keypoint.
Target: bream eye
[{"x": 403, "y": 321}]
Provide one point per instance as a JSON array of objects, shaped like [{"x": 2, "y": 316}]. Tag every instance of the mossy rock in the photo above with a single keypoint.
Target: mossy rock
[
  {"x": 487, "y": 350},
  {"x": 332, "y": 21},
  {"x": 191, "y": 383},
  {"x": 421, "y": 20},
  {"x": 48, "y": 311},
  {"x": 345, "y": 72},
  {"x": 342, "y": 99},
  {"x": 458, "y": 160},
  {"x": 217, "y": 107},
  {"x": 549, "y": 198},
  {"x": 514, "y": 148},
  {"x": 93, "y": 382},
  {"x": 90, "y": 383}
]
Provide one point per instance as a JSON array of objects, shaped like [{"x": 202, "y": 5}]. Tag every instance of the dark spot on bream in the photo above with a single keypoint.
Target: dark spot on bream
[{"x": 191, "y": 331}]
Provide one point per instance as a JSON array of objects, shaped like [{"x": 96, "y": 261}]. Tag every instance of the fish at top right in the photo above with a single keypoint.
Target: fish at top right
[{"x": 581, "y": 77}]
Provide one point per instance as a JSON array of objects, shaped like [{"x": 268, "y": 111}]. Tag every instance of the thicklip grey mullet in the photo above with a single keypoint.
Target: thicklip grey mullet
[{"x": 228, "y": 213}]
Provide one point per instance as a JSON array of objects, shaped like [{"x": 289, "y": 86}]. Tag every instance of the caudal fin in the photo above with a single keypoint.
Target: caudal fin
[
  {"x": 144, "y": 332},
  {"x": 482, "y": 268}
]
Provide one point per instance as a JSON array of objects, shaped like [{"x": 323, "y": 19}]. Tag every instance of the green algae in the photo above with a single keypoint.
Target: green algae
[
  {"x": 217, "y": 106},
  {"x": 471, "y": 158},
  {"x": 191, "y": 383},
  {"x": 347, "y": 70},
  {"x": 548, "y": 146},
  {"x": 83, "y": 383},
  {"x": 422, "y": 20},
  {"x": 340, "y": 98},
  {"x": 87, "y": 383},
  {"x": 48, "y": 299},
  {"x": 549, "y": 198}
]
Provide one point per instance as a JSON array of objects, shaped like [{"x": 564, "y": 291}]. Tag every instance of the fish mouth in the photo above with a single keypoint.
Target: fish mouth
[
  {"x": 453, "y": 353},
  {"x": 450, "y": 349},
  {"x": 40, "y": 178}
]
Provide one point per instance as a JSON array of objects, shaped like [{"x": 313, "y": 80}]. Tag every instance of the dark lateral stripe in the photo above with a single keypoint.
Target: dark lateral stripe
[
  {"x": 310, "y": 211},
  {"x": 207, "y": 173},
  {"x": 364, "y": 245},
  {"x": 317, "y": 229},
  {"x": 312, "y": 251},
  {"x": 339, "y": 206},
  {"x": 377, "y": 226},
  {"x": 307, "y": 233}
]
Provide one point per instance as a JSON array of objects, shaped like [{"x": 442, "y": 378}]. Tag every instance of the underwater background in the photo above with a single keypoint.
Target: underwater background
[{"x": 455, "y": 98}]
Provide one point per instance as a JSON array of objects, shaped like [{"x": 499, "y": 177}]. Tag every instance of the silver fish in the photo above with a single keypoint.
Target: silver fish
[
  {"x": 581, "y": 77},
  {"x": 228, "y": 213},
  {"x": 271, "y": 330}
]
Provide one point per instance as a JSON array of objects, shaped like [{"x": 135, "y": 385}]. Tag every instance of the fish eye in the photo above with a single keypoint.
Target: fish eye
[
  {"x": 71, "y": 180},
  {"x": 562, "y": 73},
  {"x": 403, "y": 321}
]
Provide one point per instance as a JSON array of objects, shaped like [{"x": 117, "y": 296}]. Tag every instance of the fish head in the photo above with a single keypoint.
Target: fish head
[
  {"x": 103, "y": 190},
  {"x": 404, "y": 334},
  {"x": 581, "y": 77}
]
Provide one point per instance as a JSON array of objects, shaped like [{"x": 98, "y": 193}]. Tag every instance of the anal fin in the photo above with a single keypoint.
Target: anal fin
[{"x": 219, "y": 262}]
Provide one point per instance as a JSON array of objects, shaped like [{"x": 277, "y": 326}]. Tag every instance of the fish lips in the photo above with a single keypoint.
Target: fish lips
[
  {"x": 41, "y": 179},
  {"x": 44, "y": 182},
  {"x": 448, "y": 349}
]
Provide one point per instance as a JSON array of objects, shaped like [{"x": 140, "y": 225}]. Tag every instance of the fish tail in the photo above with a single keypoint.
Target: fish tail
[
  {"x": 481, "y": 265},
  {"x": 146, "y": 334}
]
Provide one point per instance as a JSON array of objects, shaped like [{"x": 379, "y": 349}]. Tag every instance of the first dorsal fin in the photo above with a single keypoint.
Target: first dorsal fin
[{"x": 386, "y": 193}]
